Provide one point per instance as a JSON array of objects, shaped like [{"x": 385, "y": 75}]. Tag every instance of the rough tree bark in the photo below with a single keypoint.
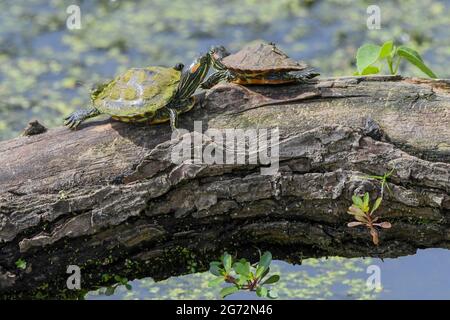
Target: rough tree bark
[{"x": 109, "y": 192}]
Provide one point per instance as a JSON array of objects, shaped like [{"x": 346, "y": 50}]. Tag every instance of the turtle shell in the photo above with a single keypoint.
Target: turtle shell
[
  {"x": 261, "y": 57},
  {"x": 137, "y": 92}
]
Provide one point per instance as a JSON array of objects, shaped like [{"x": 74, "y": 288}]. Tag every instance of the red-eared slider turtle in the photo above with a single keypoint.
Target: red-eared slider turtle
[
  {"x": 146, "y": 95},
  {"x": 257, "y": 63}
]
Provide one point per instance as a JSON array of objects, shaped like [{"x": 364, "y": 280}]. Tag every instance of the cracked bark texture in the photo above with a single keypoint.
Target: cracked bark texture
[{"x": 109, "y": 193}]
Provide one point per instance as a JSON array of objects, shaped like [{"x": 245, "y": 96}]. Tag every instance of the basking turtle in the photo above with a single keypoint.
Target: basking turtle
[
  {"x": 146, "y": 95},
  {"x": 258, "y": 63}
]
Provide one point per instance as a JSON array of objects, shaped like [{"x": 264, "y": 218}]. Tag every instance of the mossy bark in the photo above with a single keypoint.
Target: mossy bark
[{"x": 108, "y": 192}]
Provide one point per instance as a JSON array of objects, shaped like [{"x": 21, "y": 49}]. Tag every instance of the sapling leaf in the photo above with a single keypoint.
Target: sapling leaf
[
  {"x": 242, "y": 268},
  {"x": 386, "y": 49},
  {"x": 376, "y": 204},
  {"x": 228, "y": 290},
  {"x": 410, "y": 51},
  {"x": 366, "y": 55},
  {"x": 129, "y": 287},
  {"x": 414, "y": 57},
  {"x": 215, "y": 282},
  {"x": 215, "y": 269},
  {"x": 354, "y": 224},
  {"x": 366, "y": 202},
  {"x": 355, "y": 211},
  {"x": 260, "y": 271},
  {"x": 357, "y": 201},
  {"x": 388, "y": 188},
  {"x": 227, "y": 261},
  {"x": 272, "y": 279},
  {"x": 387, "y": 175},
  {"x": 370, "y": 70},
  {"x": 375, "y": 177},
  {"x": 362, "y": 219},
  {"x": 242, "y": 280},
  {"x": 384, "y": 225},
  {"x": 374, "y": 234},
  {"x": 261, "y": 292},
  {"x": 265, "y": 273},
  {"x": 265, "y": 259}
]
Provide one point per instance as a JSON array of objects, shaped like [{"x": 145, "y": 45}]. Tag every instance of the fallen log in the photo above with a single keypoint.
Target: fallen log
[{"x": 109, "y": 193}]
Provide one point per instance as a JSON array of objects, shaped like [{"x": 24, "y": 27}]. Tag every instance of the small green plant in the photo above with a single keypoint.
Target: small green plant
[
  {"x": 384, "y": 180},
  {"x": 244, "y": 276},
  {"x": 121, "y": 281},
  {"x": 21, "y": 264},
  {"x": 370, "y": 57},
  {"x": 191, "y": 260},
  {"x": 62, "y": 195},
  {"x": 364, "y": 215}
]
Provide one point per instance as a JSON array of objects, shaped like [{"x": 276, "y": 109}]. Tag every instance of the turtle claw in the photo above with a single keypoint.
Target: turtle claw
[
  {"x": 74, "y": 125},
  {"x": 76, "y": 118},
  {"x": 72, "y": 121}
]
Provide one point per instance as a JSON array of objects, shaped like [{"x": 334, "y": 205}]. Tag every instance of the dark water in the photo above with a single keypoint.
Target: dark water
[
  {"x": 424, "y": 275},
  {"x": 41, "y": 62}
]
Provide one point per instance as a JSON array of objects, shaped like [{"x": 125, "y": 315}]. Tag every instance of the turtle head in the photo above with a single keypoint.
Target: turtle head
[
  {"x": 217, "y": 53},
  {"x": 193, "y": 76},
  {"x": 200, "y": 64}
]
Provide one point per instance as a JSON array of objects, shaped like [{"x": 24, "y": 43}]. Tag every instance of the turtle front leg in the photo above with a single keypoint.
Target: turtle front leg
[
  {"x": 77, "y": 117},
  {"x": 177, "y": 107},
  {"x": 173, "y": 118},
  {"x": 197, "y": 99},
  {"x": 173, "y": 114},
  {"x": 216, "y": 77}
]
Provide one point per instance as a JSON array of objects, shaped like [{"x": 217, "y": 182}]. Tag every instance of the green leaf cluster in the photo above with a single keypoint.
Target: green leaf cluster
[
  {"x": 110, "y": 290},
  {"x": 384, "y": 180},
  {"x": 362, "y": 205},
  {"x": 369, "y": 59},
  {"x": 21, "y": 264},
  {"x": 244, "y": 276},
  {"x": 363, "y": 214}
]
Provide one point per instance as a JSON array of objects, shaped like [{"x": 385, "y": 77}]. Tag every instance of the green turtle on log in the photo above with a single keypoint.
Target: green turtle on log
[
  {"x": 257, "y": 63},
  {"x": 146, "y": 95}
]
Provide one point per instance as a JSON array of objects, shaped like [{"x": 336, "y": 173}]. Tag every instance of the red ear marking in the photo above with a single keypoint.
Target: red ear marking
[{"x": 194, "y": 67}]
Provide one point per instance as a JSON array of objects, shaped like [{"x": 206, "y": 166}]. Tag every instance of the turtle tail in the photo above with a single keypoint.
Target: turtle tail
[{"x": 77, "y": 117}]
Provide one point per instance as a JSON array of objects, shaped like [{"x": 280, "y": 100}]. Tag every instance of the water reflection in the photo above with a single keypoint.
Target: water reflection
[
  {"x": 41, "y": 61},
  {"x": 420, "y": 276}
]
